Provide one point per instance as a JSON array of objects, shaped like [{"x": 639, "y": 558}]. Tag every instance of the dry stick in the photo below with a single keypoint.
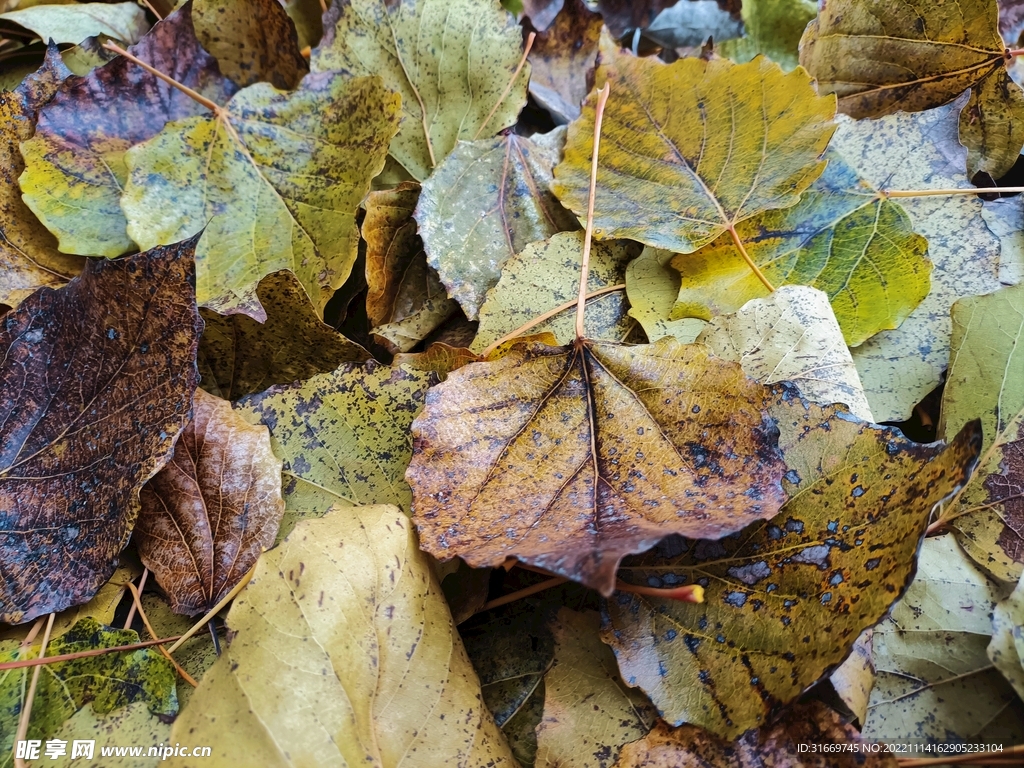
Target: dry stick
[
  {"x": 508, "y": 88},
  {"x": 194, "y": 95},
  {"x": 131, "y": 611},
  {"x": 886, "y": 193},
  {"x": 153, "y": 10},
  {"x": 31, "y": 636},
  {"x": 588, "y": 233},
  {"x": 746, "y": 257},
  {"x": 137, "y": 603},
  {"x": 30, "y": 697},
  {"x": 519, "y": 594},
  {"x": 547, "y": 316},
  {"x": 214, "y": 611},
  {"x": 44, "y": 660}
]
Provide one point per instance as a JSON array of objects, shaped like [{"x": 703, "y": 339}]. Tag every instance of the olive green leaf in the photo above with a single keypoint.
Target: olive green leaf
[
  {"x": 986, "y": 380},
  {"x": 483, "y": 205},
  {"x": 879, "y": 57},
  {"x": 545, "y": 276},
  {"x": 344, "y": 627},
  {"x": 133, "y": 724},
  {"x": 771, "y": 27},
  {"x": 73, "y": 23},
  {"x": 791, "y": 336},
  {"x": 935, "y": 681},
  {"x": 1006, "y": 649},
  {"x": 786, "y": 598},
  {"x": 238, "y": 356},
  {"x": 842, "y": 238},
  {"x": 343, "y": 436},
  {"x": 451, "y": 61},
  {"x": 690, "y": 149},
  {"x": 652, "y": 287},
  {"x": 306, "y": 15},
  {"x": 275, "y": 179},
  {"x": 586, "y": 730}
]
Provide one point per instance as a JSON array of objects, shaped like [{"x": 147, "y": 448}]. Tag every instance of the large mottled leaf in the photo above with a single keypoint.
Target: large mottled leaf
[
  {"x": 343, "y": 436},
  {"x": 545, "y": 276},
  {"x": 935, "y": 681},
  {"x": 771, "y": 27},
  {"x": 274, "y": 182},
  {"x": 483, "y": 205},
  {"x": 1006, "y": 649},
  {"x": 786, "y": 598},
  {"x": 73, "y": 23},
  {"x": 451, "y": 60},
  {"x": 652, "y": 287},
  {"x": 239, "y": 356},
  {"x": 74, "y": 164},
  {"x": 841, "y": 238},
  {"x": 692, "y": 148},
  {"x": 97, "y": 381},
  {"x": 835, "y": 745},
  {"x": 347, "y": 612},
  {"x": 29, "y": 258},
  {"x": 606, "y": 449},
  {"x": 110, "y": 681},
  {"x": 405, "y": 300},
  {"x": 563, "y": 59},
  {"x": 212, "y": 510},
  {"x": 879, "y": 57},
  {"x": 920, "y": 151},
  {"x": 588, "y": 712},
  {"x": 986, "y": 380}
]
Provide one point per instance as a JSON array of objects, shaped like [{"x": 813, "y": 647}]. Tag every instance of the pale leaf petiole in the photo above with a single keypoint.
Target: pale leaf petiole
[{"x": 588, "y": 234}]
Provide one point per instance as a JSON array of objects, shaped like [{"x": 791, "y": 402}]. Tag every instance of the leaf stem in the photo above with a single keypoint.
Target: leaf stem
[
  {"x": 887, "y": 193},
  {"x": 43, "y": 660},
  {"x": 1013, "y": 52},
  {"x": 519, "y": 594},
  {"x": 588, "y": 233},
  {"x": 746, "y": 257},
  {"x": 153, "y": 10},
  {"x": 30, "y": 697},
  {"x": 131, "y": 611},
  {"x": 137, "y": 603},
  {"x": 690, "y": 593},
  {"x": 215, "y": 610},
  {"x": 508, "y": 88},
  {"x": 194, "y": 95},
  {"x": 547, "y": 316}
]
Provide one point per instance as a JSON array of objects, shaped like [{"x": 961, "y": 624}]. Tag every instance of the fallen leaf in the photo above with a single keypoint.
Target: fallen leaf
[
  {"x": 623, "y": 15},
  {"x": 787, "y": 743},
  {"x": 274, "y": 184},
  {"x": 854, "y": 679},
  {"x": 1006, "y": 649},
  {"x": 693, "y": 148},
  {"x": 1005, "y": 219},
  {"x": 97, "y": 379},
  {"x": 586, "y": 731},
  {"x": 307, "y": 17},
  {"x": 879, "y": 57},
  {"x": 133, "y": 724},
  {"x": 986, "y": 379},
  {"x": 786, "y": 599},
  {"x": 772, "y": 28},
  {"x": 935, "y": 681},
  {"x": 842, "y": 237},
  {"x": 238, "y": 356},
  {"x": 544, "y": 276},
  {"x": 438, "y": 358},
  {"x": 450, "y": 60},
  {"x": 74, "y": 164},
  {"x": 652, "y": 288},
  {"x": 691, "y": 24},
  {"x": 483, "y": 205},
  {"x": 73, "y": 23},
  {"x": 791, "y": 336},
  {"x": 598, "y": 444},
  {"x": 350, "y": 598},
  {"x": 1011, "y": 21},
  {"x": 343, "y": 436},
  {"x": 405, "y": 300},
  {"x": 212, "y": 510},
  {"x": 252, "y": 41},
  {"x": 195, "y": 656},
  {"x": 542, "y": 13},
  {"x": 562, "y": 60}
]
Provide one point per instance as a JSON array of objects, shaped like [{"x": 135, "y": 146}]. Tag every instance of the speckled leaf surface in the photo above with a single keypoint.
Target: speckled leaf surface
[
  {"x": 691, "y": 148},
  {"x": 935, "y": 681},
  {"x": 239, "y": 356},
  {"x": 840, "y": 238},
  {"x": 449, "y": 59},
  {"x": 879, "y": 57},
  {"x": 771, "y": 27},
  {"x": 72, "y": 23},
  {"x": 986, "y": 380},
  {"x": 483, "y": 205},
  {"x": 652, "y": 287},
  {"x": 208, "y": 514},
  {"x": 563, "y": 58},
  {"x": 545, "y": 276},
  {"x": 346, "y": 611},
  {"x": 273, "y": 183},
  {"x": 97, "y": 380},
  {"x": 1006, "y": 648},
  {"x": 74, "y": 164},
  {"x": 785, "y": 599},
  {"x": 599, "y": 444}
]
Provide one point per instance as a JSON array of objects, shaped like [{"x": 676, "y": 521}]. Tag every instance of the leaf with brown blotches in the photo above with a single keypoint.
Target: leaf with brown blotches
[
  {"x": 563, "y": 59},
  {"x": 605, "y": 448},
  {"x": 208, "y": 514},
  {"x": 97, "y": 381}
]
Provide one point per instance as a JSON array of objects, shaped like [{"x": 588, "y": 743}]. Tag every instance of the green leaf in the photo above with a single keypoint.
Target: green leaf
[
  {"x": 73, "y": 23},
  {"x": 545, "y": 276},
  {"x": 771, "y": 27},
  {"x": 653, "y": 288},
  {"x": 451, "y": 61},
  {"x": 345, "y": 611},
  {"x": 274, "y": 183}
]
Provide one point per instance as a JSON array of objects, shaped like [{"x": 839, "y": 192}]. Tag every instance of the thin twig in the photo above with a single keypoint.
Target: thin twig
[
  {"x": 44, "y": 660},
  {"x": 131, "y": 611},
  {"x": 588, "y": 233},
  {"x": 886, "y": 193},
  {"x": 508, "y": 88},
  {"x": 137, "y": 600},
  {"x": 215, "y": 610},
  {"x": 153, "y": 10},
  {"x": 323, "y": 6},
  {"x": 519, "y": 594},
  {"x": 194, "y": 95},
  {"x": 746, "y": 257},
  {"x": 30, "y": 697}
]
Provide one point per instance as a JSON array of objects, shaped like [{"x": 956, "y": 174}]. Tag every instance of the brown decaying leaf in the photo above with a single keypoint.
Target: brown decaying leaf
[
  {"x": 605, "y": 448},
  {"x": 208, "y": 514},
  {"x": 562, "y": 61},
  {"x": 622, "y": 15},
  {"x": 97, "y": 381}
]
